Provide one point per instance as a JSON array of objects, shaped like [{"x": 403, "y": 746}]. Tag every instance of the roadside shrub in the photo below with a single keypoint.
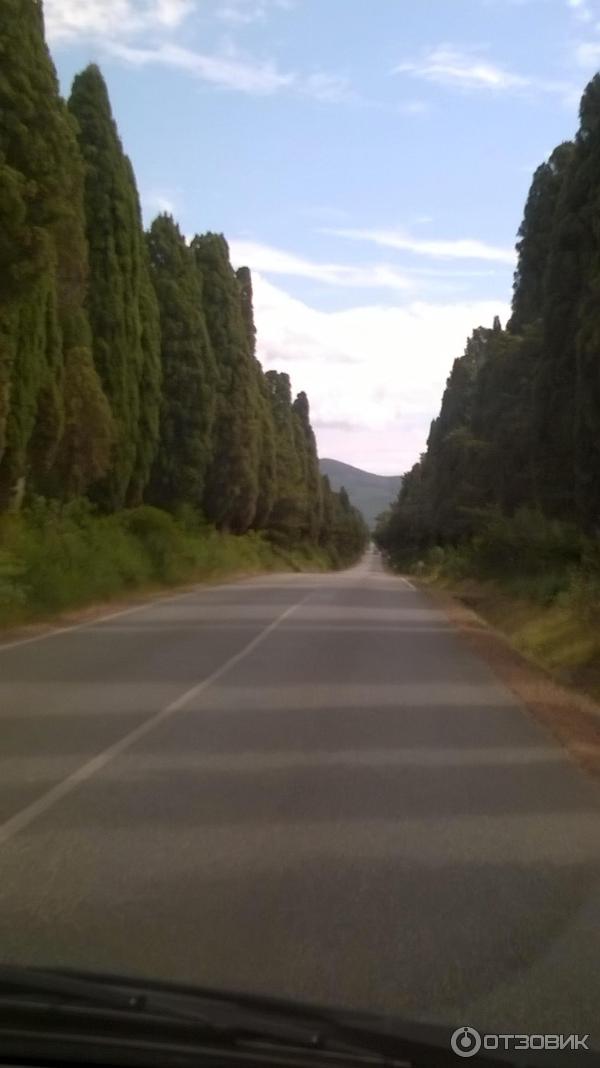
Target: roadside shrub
[
  {"x": 54, "y": 557},
  {"x": 526, "y": 543},
  {"x": 160, "y": 540}
]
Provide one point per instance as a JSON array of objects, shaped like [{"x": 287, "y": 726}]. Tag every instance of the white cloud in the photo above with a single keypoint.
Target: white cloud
[
  {"x": 171, "y": 13},
  {"x": 137, "y": 32},
  {"x": 228, "y": 71},
  {"x": 461, "y": 248},
  {"x": 243, "y": 12},
  {"x": 66, "y": 19},
  {"x": 374, "y": 374},
  {"x": 448, "y": 66},
  {"x": 231, "y": 70},
  {"x": 155, "y": 201},
  {"x": 270, "y": 260}
]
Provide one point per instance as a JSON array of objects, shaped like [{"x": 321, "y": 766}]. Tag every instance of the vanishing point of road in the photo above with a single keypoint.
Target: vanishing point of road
[{"x": 306, "y": 785}]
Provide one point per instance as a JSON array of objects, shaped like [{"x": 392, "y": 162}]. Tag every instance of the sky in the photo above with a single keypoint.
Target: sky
[{"x": 367, "y": 159}]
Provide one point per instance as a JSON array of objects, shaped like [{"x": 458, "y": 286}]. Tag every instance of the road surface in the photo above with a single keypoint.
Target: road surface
[{"x": 299, "y": 784}]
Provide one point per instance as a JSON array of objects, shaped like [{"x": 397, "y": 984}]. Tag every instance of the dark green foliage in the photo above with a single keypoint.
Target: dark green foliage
[
  {"x": 54, "y": 556},
  {"x": 188, "y": 371},
  {"x": 43, "y": 255},
  {"x": 232, "y": 484},
  {"x": 344, "y": 533},
  {"x": 306, "y": 449},
  {"x": 85, "y": 448},
  {"x": 121, "y": 303},
  {"x": 267, "y": 460},
  {"x": 287, "y": 514},
  {"x": 535, "y": 237},
  {"x": 586, "y": 428}
]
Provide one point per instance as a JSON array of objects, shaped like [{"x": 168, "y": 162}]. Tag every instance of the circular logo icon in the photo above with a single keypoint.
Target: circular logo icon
[{"x": 466, "y": 1041}]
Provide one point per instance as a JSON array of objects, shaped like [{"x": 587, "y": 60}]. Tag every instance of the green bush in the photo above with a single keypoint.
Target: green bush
[
  {"x": 161, "y": 542},
  {"x": 55, "y": 557},
  {"x": 583, "y": 591},
  {"x": 526, "y": 543}
]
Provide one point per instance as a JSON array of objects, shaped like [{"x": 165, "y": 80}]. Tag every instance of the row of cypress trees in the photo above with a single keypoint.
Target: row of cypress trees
[
  {"x": 519, "y": 425},
  {"x": 128, "y": 369}
]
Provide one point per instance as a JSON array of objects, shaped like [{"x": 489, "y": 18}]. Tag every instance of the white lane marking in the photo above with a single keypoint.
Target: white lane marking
[
  {"x": 168, "y": 598},
  {"x": 27, "y": 815},
  {"x": 407, "y": 583}
]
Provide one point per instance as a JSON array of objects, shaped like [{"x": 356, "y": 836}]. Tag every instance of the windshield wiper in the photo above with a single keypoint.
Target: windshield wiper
[
  {"x": 163, "y": 1012},
  {"x": 223, "y": 1015}
]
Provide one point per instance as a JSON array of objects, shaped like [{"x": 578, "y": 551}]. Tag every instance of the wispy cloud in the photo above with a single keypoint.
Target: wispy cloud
[
  {"x": 449, "y": 66},
  {"x": 142, "y": 33},
  {"x": 459, "y": 249},
  {"x": 445, "y": 65},
  {"x": 226, "y": 71},
  {"x": 66, "y": 19},
  {"x": 232, "y": 70},
  {"x": 243, "y": 12},
  {"x": 273, "y": 261}
]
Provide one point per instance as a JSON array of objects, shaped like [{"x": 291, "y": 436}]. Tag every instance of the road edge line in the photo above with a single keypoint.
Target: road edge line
[{"x": 27, "y": 815}]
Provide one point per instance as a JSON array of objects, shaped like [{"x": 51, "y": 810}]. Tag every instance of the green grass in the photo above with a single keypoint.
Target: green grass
[
  {"x": 54, "y": 558},
  {"x": 552, "y": 616}
]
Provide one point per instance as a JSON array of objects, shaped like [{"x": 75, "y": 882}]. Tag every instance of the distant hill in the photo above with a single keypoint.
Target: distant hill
[{"x": 370, "y": 493}]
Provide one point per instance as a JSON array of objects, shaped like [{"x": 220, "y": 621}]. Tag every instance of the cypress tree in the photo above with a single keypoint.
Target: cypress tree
[
  {"x": 585, "y": 203},
  {"x": 232, "y": 485},
  {"x": 43, "y": 255},
  {"x": 121, "y": 303},
  {"x": 555, "y": 399},
  {"x": 288, "y": 517},
  {"x": 188, "y": 371},
  {"x": 307, "y": 449},
  {"x": 267, "y": 461},
  {"x": 535, "y": 238}
]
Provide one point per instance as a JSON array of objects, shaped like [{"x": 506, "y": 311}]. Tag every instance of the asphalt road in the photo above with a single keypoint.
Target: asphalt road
[{"x": 305, "y": 785}]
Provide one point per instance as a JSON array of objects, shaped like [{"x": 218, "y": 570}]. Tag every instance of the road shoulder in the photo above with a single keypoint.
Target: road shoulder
[{"x": 572, "y": 718}]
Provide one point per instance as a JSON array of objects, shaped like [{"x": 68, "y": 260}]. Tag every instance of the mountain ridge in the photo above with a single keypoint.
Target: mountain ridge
[{"x": 369, "y": 492}]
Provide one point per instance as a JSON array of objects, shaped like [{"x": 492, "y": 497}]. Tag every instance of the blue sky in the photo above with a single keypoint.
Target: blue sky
[{"x": 368, "y": 159}]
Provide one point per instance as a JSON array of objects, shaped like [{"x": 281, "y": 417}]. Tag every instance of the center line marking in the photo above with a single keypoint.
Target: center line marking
[{"x": 26, "y": 816}]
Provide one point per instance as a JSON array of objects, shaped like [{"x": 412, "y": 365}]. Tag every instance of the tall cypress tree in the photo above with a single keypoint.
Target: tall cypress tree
[
  {"x": 554, "y": 405},
  {"x": 535, "y": 238},
  {"x": 43, "y": 253},
  {"x": 232, "y": 485},
  {"x": 121, "y": 303},
  {"x": 267, "y": 460},
  {"x": 585, "y": 204},
  {"x": 311, "y": 478},
  {"x": 189, "y": 370},
  {"x": 288, "y": 514}
]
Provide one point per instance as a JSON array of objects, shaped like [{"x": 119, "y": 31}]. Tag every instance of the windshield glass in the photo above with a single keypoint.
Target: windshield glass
[{"x": 299, "y": 501}]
